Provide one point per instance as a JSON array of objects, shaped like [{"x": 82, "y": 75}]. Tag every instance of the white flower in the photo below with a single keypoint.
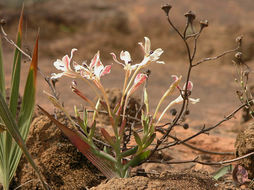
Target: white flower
[
  {"x": 149, "y": 55},
  {"x": 65, "y": 66}
]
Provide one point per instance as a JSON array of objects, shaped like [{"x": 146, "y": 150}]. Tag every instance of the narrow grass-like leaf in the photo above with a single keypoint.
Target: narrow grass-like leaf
[
  {"x": 12, "y": 128},
  {"x": 27, "y": 109},
  {"x": 137, "y": 138},
  {"x": 149, "y": 141},
  {"x": 129, "y": 152},
  {"x": 82, "y": 146},
  {"x": 15, "y": 80},
  {"x": 2, "y": 81},
  {"x": 137, "y": 159},
  {"x": 107, "y": 137}
]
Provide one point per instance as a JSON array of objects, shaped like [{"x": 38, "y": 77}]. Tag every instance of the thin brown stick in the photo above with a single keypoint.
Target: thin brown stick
[
  {"x": 216, "y": 57},
  {"x": 199, "y": 149},
  {"x": 205, "y": 130},
  {"x": 196, "y": 160}
]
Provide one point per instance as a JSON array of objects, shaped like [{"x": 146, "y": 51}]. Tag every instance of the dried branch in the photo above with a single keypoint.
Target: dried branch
[
  {"x": 198, "y": 149},
  {"x": 196, "y": 160},
  {"x": 216, "y": 57},
  {"x": 205, "y": 130}
]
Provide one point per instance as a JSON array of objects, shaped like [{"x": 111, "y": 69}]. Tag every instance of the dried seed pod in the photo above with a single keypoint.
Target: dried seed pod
[
  {"x": 186, "y": 126},
  {"x": 203, "y": 24},
  {"x": 173, "y": 111},
  {"x": 2, "y": 22},
  {"x": 187, "y": 112},
  {"x": 166, "y": 8},
  {"x": 190, "y": 16},
  {"x": 238, "y": 55},
  {"x": 239, "y": 40}
]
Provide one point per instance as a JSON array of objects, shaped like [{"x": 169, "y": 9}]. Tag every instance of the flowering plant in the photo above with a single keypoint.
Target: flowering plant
[{"x": 117, "y": 157}]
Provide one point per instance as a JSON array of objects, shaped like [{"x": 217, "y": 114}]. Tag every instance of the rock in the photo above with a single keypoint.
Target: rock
[{"x": 245, "y": 144}]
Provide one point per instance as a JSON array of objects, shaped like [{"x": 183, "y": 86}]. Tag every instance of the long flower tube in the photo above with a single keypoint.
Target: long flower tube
[
  {"x": 167, "y": 93},
  {"x": 179, "y": 99}
]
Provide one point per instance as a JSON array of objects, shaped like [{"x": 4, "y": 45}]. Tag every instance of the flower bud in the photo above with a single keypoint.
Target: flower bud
[{"x": 166, "y": 8}]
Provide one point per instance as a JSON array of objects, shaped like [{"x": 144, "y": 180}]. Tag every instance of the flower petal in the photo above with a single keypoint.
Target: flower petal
[
  {"x": 147, "y": 46},
  {"x": 98, "y": 69},
  {"x": 140, "y": 78},
  {"x": 156, "y": 54},
  {"x": 189, "y": 86},
  {"x": 194, "y": 101},
  {"x": 125, "y": 56},
  {"x": 106, "y": 70},
  {"x": 78, "y": 67},
  {"x": 95, "y": 59},
  {"x": 59, "y": 65},
  {"x": 56, "y": 76},
  {"x": 72, "y": 51}
]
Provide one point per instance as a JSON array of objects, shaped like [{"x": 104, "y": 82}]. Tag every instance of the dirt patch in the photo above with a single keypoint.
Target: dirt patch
[
  {"x": 244, "y": 145},
  {"x": 166, "y": 180},
  {"x": 59, "y": 161}
]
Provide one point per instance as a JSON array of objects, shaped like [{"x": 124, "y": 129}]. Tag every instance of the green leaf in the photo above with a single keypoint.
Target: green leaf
[
  {"x": 27, "y": 108},
  {"x": 2, "y": 81},
  {"x": 15, "y": 80},
  {"x": 129, "y": 152},
  {"x": 83, "y": 147},
  {"x": 137, "y": 159},
  {"x": 12, "y": 128},
  {"x": 137, "y": 139},
  {"x": 222, "y": 171},
  {"x": 149, "y": 141}
]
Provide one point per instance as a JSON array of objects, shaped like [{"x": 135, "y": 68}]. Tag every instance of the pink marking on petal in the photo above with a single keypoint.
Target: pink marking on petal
[
  {"x": 190, "y": 86},
  {"x": 140, "y": 78},
  {"x": 175, "y": 78},
  {"x": 66, "y": 62},
  {"x": 95, "y": 59},
  {"x": 106, "y": 70}
]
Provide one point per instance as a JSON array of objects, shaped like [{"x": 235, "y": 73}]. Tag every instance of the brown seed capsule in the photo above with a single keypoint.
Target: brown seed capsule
[
  {"x": 239, "y": 39},
  {"x": 186, "y": 126},
  {"x": 238, "y": 55},
  {"x": 2, "y": 21},
  {"x": 166, "y": 8},
  {"x": 203, "y": 23},
  {"x": 190, "y": 16},
  {"x": 173, "y": 111}
]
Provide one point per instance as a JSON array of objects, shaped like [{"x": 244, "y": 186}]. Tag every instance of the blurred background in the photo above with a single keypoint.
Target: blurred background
[{"x": 114, "y": 25}]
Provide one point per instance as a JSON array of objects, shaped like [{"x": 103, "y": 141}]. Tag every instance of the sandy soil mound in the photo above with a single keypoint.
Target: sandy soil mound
[
  {"x": 167, "y": 180},
  {"x": 59, "y": 161}
]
